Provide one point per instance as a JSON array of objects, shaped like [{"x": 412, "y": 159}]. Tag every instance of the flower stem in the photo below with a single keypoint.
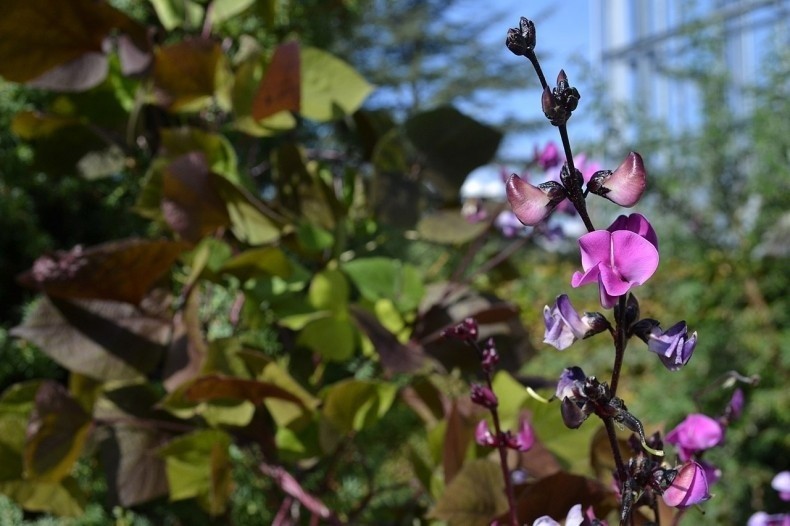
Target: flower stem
[
  {"x": 620, "y": 342},
  {"x": 575, "y": 194},
  {"x": 536, "y": 64},
  {"x": 618, "y": 459}
]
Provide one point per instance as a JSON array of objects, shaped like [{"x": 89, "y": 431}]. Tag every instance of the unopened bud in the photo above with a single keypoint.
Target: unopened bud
[
  {"x": 625, "y": 185},
  {"x": 527, "y": 28},
  {"x": 483, "y": 396},
  {"x": 532, "y": 204}
]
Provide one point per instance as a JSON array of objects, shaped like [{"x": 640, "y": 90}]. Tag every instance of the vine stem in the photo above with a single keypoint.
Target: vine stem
[
  {"x": 620, "y": 342},
  {"x": 618, "y": 459}
]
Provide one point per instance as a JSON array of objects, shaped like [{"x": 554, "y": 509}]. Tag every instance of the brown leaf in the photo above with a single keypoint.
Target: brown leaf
[
  {"x": 186, "y": 71},
  {"x": 119, "y": 270},
  {"x": 190, "y": 204},
  {"x": 56, "y": 433},
  {"x": 215, "y": 387},
  {"x": 395, "y": 357},
  {"x": 105, "y": 340},
  {"x": 474, "y": 497},
  {"x": 457, "y": 438},
  {"x": 280, "y": 89},
  {"x": 38, "y": 36},
  {"x": 188, "y": 348},
  {"x": 556, "y": 494}
]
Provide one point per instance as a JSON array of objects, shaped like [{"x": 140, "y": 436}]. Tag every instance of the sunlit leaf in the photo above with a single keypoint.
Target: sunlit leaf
[
  {"x": 351, "y": 405},
  {"x": 118, "y": 270},
  {"x": 284, "y": 412},
  {"x": 56, "y": 434},
  {"x": 216, "y": 387},
  {"x": 332, "y": 336},
  {"x": 385, "y": 278},
  {"x": 329, "y": 290},
  {"x": 101, "y": 339},
  {"x": 178, "y": 13},
  {"x": 331, "y": 89},
  {"x": 279, "y": 89},
  {"x": 222, "y": 10},
  {"x": 64, "y": 498},
  {"x": 474, "y": 497},
  {"x": 198, "y": 465},
  {"x": 34, "y": 124},
  {"x": 251, "y": 221},
  {"x": 449, "y": 227},
  {"x": 256, "y": 262}
]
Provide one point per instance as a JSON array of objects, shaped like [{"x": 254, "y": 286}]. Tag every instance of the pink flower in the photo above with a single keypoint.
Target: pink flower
[
  {"x": 532, "y": 204},
  {"x": 696, "y": 433},
  {"x": 625, "y": 185},
  {"x": 587, "y": 168},
  {"x": 525, "y": 438},
  {"x": 483, "y": 435},
  {"x": 689, "y": 487},
  {"x": 618, "y": 258},
  {"x": 781, "y": 483},
  {"x": 549, "y": 157}
]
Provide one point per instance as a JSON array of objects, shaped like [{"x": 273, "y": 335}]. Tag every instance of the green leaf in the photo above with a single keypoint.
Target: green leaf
[
  {"x": 329, "y": 291},
  {"x": 331, "y": 89},
  {"x": 64, "y": 499},
  {"x": 102, "y": 339},
  {"x": 313, "y": 238},
  {"x": 453, "y": 145},
  {"x": 177, "y": 13},
  {"x": 512, "y": 397},
  {"x": 380, "y": 278},
  {"x": 285, "y": 412},
  {"x": 218, "y": 150},
  {"x": 266, "y": 261},
  {"x": 449, "y": 227},
  {"x": 333, "y": 337},
  {"x": 222, "y": 10},
  {"x": 198, "y": 465},
  {"x": 30, "y": 125},
  {"x": 56, "y": 434},
  {"x": 248, "y": 221},
  {"x": 474, "y": 497},
  {"x": 352, "y": 405}
]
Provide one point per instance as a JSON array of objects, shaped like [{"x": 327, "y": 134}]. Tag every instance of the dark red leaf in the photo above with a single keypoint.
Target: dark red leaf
[{"x": 280, "y": 88}]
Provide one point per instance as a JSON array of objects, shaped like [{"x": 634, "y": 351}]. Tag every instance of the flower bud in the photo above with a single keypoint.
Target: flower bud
[
  {"x": 625, "y": 185},
  {"x": 674, "y": 346},
  {"x": 689, "y": 487},
  {"x": 572, "y": 415},
  {"x": 466, "y": 331},
  {"x": 521, "y": 41},
  {"x": 483, "y": 396},
  {"x": 532, "y": 204},
  {"x": 490, "y": 356}
]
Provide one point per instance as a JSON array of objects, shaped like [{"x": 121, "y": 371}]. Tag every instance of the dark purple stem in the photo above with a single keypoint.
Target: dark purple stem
[
  {"x": 575, "y": 194},
  {"x": 535, "y": 64},
  {"x": 620, "y": 342},
  {"x": 618, "y": 459}
]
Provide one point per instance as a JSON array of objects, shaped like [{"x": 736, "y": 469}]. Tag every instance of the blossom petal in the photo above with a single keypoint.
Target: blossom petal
[
  {"x": 638, "y": 224},
  {"x": 634, "y": 257},
  {"x": 585, "y": 278},
  {"x": 595, "y": 247},
  {"x": 530, "y": 204},
  {"x": 689, "y": 487}
]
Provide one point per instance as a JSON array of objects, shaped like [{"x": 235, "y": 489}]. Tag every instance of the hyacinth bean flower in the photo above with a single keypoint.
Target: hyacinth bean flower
[
  {"x": 763, "y": 519},
  {"x": 564, "y": 325},
  {"x": 484, "y": 436},
  {"x": 696, "y": 433},
  {"x": 674, "y": 346},
  {"x": 625, "y": 185},
  {"x": 689, "y": 487},
  {"x": 532, "y": 204},
  {"x": 525, "y": 438},
  {"x": 575, "y": 517},
  {"x": 570, "y": 383},
  {"x": 548, "y": 157},
  {"x": 618, "y": 258},
  {"x": 781, "y": 483}
]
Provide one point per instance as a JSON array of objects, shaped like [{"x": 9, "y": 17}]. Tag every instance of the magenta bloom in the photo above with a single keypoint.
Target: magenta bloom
[
  {"x": 587, "y": 168},
  {"x": 549, "y": 157},
  {"x": 618, "y": 258},
  {"x": 781, "y": 483},
  {"x": 532, "y": 204},
  {"x": 625, "y": 185},
  {"x": 674, "y": 346},
  {"x": 689, "y": 487},
  {"x": 564, "y": 325},
  {"x": 525, "y": 438},
  {"x": 483, "y": 435},
  {"x": 695, "y": 434}
]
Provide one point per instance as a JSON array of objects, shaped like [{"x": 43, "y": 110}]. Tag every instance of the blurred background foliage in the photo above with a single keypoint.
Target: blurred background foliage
[{"x": 358, "y": 206}]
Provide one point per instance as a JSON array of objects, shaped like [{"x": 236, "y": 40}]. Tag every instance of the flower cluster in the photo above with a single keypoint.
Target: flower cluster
[{"x": 781, "y": 483}]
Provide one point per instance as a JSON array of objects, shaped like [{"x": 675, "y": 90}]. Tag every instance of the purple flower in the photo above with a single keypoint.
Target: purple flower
[
  {"x": 781, "y": 483},
  {"x": 525, "y": 438},
  {"x": 532, "y": 204},
  {"x": 735, "y": 406},
  {"x": 575, "y": 517},
  {"x": 696, "y": 433},
  {"x": 625, "y": 185},
  {"x": 570, "y": 383},
  {"x": 688, "y": 488},
  {"x": 674, "y": 346},
  {"x": 587, "y": 168},
  {"x": 508, "y": 224},
  {"x": 712, "y": 473},
  {"x": 763, "y": 519},
  {"x": 483, "y": 435},
  {"x": 618, "y": 258},
  {"x": 564, "y": 325},
  {"x": 549, "y": 157}
]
